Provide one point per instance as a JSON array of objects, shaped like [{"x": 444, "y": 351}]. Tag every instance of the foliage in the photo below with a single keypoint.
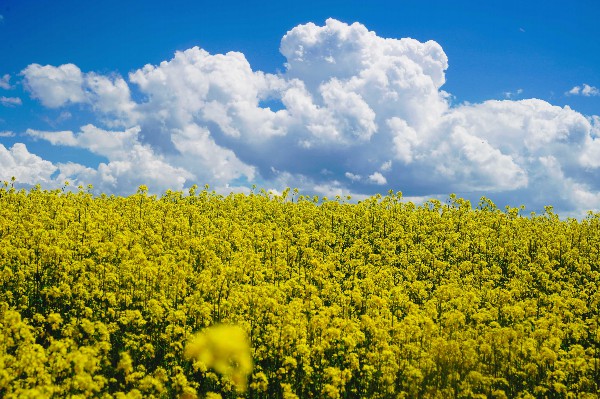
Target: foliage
[{"x": 379, "y": 299}]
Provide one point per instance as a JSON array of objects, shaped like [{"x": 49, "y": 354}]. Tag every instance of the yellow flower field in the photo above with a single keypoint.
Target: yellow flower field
[{"x": 199, "y": 295}]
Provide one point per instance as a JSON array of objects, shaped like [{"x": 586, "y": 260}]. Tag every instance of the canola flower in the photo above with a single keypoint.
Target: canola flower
[
  {"x": 224, "y": 348},
  {"x": 104, "y": 296}
]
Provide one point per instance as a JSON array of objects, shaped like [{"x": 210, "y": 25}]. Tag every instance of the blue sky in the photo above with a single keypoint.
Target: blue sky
[{"x": 493, "y": 98}]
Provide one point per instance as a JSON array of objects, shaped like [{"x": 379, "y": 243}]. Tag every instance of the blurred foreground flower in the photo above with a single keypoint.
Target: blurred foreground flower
[{"x": 225, "y": 349}]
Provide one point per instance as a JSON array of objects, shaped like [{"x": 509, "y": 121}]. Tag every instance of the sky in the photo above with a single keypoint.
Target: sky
[{"x": 494, "y": 99}]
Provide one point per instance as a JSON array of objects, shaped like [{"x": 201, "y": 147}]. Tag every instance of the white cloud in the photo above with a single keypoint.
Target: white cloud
[
  {"x": 474, "y": 164},
  {"x": 7, "y": 134},
  {"x": 590, "y": 156},
  {"x": 589, "y": 91},
  {"x": 405, "y": 138},
  {"x": 352, "y": 176},
  {"x": 584, "y": 90},
  {"x": 111, "y": 97},
  {"x": 198, "y": 152},
  {"x": 28, "y": 168},
  {"x": 59, "y": 86},
  {"x": 353, "y": 116},
  {"x": 55, "y": 138},
  {"x": 567, "y": 189},
  {"x": 386, "y": 166},
  {"x": 219, "y": 89},
  {"x": 10, "y": 101},
  {"x": 131, "y": 163},
  {"x": 54, "y": 86},
  {"x": 378, "y": 178},
  {"x": 5, "y": 82},
  {"x": 395, "y": 77},
  {"x": 354, "y": 110},
  {"x": 111, "y": 144}
]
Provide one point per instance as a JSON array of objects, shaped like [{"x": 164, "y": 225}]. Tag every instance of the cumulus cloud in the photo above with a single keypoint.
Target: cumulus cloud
[
  {"x": 355, "y": 112},
  {"x": 5, "y": 82},
  {"x": 10, "y": 101},
  {"x": 110, "y": 96},
  {"x": 54, "y": 86},
  {"x": 27, "y": 167},
  {"x": 589, "y": 158},
  {"x": 396, "y": 77},
  {"x": 66, "y": 84},
  {"x": 131, "y": 163},
  {"x": 584, "y": 90},
  {"x": 378, "y": 178}
]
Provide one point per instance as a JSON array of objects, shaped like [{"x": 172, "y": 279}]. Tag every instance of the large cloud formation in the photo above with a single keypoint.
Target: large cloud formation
[{"x": 351, "y": 113}]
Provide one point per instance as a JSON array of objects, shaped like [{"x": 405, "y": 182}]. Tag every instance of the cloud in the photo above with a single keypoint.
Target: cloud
[
  {"x": 54, "y": 86},
  {"x": 5, "y": 82},
  {"x": 7, "y": 134},
  {"x": 511, "y": 94},
  {"x": 377, "y": 178},
  {"x": 397, "y": 77},
  {"x": 589, "y": 158},
  {"x": 584, "y": 90},
  {"x": 27, "y": 167},
  {"x": 10, "y": 101},
  {"x": 352, "y": 176},
  {"x": 131, "y": 163},
  {"x": 59, "y": 86},
  {"x": 351, "y": 112},
  {"x": 110, "y": 96}
]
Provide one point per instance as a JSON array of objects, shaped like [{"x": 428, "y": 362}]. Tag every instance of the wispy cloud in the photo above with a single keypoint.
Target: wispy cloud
[
  {"x": 512, "y": 94},
  {"x": 54, "y": 122},
  {"x": 7, "y": 134},
  {"x": 583, "y": 90},
  {"x": 10, "y": 101},
  {"x": 5, "y": 82}
]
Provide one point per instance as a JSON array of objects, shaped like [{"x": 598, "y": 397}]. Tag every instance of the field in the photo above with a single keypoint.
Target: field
[{"x": 100, "y": 296}]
